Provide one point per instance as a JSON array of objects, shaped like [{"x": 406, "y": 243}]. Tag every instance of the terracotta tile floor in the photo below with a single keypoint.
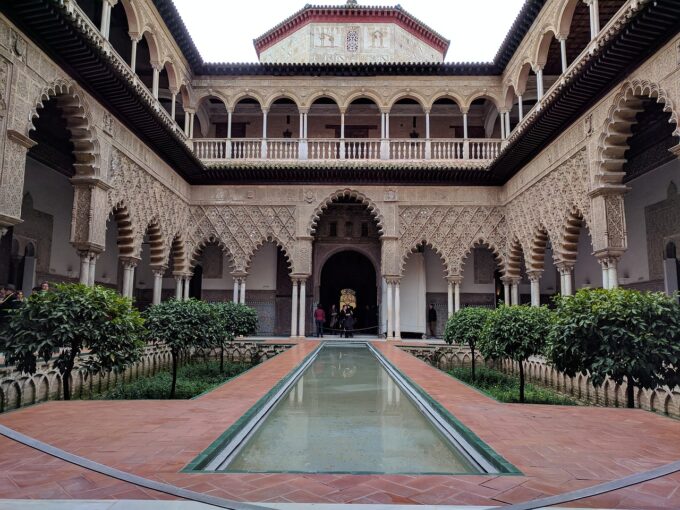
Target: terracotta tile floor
[{"x": 557, "y": 448}]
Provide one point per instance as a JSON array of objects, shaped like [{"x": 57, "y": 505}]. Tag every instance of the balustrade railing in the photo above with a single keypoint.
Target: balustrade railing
[{"x": 442, "y": 149}]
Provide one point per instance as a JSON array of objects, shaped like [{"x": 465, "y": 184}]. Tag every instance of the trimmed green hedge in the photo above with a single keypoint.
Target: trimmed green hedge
[
  {"x": 192, "y": 380},
  {"x": 505, "y": 388}
]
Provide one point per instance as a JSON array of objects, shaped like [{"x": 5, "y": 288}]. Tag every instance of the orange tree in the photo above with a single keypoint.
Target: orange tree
[
  {"x": 627, "y": 335},
  {"x": 60, "y": 325}
]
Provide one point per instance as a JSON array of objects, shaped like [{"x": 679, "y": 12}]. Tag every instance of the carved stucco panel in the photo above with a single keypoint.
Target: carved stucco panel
[
  {"x": 451, "y": 231},
  {"x": 547, "y": 203},
  {"x": 242, "y": 229}
]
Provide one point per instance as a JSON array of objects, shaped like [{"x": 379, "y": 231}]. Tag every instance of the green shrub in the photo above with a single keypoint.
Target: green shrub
[
  {"x": 232, "y": 320},
  {"x": 182, "y": 326},
  {"x": 505, "y": 388},
  {"x": 516, "y": 333},
  {"x": 67, "y": 321},
  {"x": 621, "y": 334},
  {"x": 465, "y": 327},
  {"x": 192, "y": 380}
]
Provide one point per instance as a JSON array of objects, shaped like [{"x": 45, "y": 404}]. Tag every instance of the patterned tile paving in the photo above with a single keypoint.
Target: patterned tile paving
[{"x": 557, "y": 448}]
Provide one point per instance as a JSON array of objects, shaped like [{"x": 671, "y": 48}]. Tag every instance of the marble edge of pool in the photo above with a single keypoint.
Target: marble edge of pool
[{"x": 503, "y": 467}]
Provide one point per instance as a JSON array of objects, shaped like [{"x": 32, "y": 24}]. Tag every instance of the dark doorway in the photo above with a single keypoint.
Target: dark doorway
[
  {"x": 351, "y": 270},
  {"x": 196, "y": 283}
]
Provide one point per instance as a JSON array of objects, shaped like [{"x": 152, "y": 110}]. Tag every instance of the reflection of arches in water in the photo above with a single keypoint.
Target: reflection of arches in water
[{"x": 351, "y": 270}]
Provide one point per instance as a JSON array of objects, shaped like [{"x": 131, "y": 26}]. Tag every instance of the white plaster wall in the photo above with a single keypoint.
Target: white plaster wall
[
  {"x": 587, "y": 271},
  {"x": 648, "y": 189},
  {"x": 435, "y": 274},
  {"x": 52, "y": 193},
  {"x": 412, "y": 294}
]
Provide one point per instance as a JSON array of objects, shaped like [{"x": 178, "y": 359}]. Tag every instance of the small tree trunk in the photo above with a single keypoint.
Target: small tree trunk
[
  {"x": 221, "y": 358},
  {"x": 66, "y": 374},
  {"x": 472, "y": 351},
  {"x": 630, "y": 394},
  {"x": 174, "y": 374},
  {"x": 521, "y": 382}
]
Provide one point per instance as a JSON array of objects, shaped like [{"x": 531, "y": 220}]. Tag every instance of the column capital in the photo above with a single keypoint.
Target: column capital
[
  {"x": 112, "y": 3},
  {"x": 534, "y": 275},
  {"x": 565, "y": 267},
  {"x": 426, "y": 110},
  {"x": 455, "y": 278},
  {"x": 129, "y": 262},
  {"x": 464, "y": 109},
  {"x": 537, "y": 67},
  {"x": 303, "y": 110},
  {"x": 239, "y": 274},
  {"x": 608, "y": 256},
  {"x": 264, "y": 109},
  {"x": 159, "y": 270},
  {"x": 299, "y": 277},
  {"x": 393, "y": 279}
]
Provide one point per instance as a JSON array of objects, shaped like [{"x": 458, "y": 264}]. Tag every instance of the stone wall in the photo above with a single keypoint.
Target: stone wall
[
  {"x": 19, "y": 390},
  {"x": 663, "y": 400}
]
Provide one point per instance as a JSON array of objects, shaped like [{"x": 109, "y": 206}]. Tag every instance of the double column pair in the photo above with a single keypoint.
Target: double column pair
[
  {"x": 88, "y": 263},
  {"x": 239, "y": 289},
  {"x": 393, "y": 307},
  {"x": 454, "y": 294},
  {"x": 297, "y": 316},
  {"x": 182, "y": 282}
]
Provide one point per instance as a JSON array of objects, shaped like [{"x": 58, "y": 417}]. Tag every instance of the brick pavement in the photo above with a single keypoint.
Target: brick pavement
[{"x": 557, "y": 448}]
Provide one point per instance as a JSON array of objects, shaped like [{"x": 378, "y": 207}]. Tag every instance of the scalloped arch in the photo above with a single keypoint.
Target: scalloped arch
[
  {"x": 407, "y": 251},
  {"x": 198, "y": 250},
  {"x": 271, "y": 238},
  {"x": 125, "y": 239},
  {"x": 76, "y": 112},
  {"x": 482, "y": 242},
  {"x": 360, "y": 197},
  {"x": 613, "y": 142}
]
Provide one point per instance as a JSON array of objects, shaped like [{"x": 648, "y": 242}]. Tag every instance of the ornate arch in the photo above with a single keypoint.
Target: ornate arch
[
  {"x": 157, "y": 249},
  {"x": 540, "y": 53},
  {"x": 154, "y": 48},
  {"x": 613, "y": 142},
  {"x": 197, "y": 251},
  {"x": 124, "y": 223},
  {"x": 76, "y": 112},
  {"x": 520, "y": 81},
  {"x": 320, "y": 94},
  {"x": 245, "y": 94},
  {"x": 569, "y": 236},
  {"x": 177, "y": 249},
  {"x": 134, "y": 25},
  {"x": 566, "y": 14},
  {"x": 271, "y": 99},
  {"x": 360, "y": 197},
  {"x": 538, "y": 246},
  {"x": 271, "y": 238},
  {"x": 407, "y": 95},
  {"x": 513, "y": 265},
  {"x": 482, "y": 242},
  {"x": 447, "y": 95},
  {"x": 408, "y": 250},
  {"x": 482, "y": 95},
  {"x": 367, "y": 94}
]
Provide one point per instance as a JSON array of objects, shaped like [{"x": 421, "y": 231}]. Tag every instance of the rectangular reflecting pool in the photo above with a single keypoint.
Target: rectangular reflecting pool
[{"x": 346, "y": 410}]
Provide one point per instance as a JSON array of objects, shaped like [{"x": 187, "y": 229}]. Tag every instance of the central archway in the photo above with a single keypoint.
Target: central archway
[{"x": 351, "y": 270}]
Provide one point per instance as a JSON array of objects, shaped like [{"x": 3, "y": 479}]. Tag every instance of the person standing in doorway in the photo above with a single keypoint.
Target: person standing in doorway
[
  {"x": 319, "y": 319},
  {"x": 432, "y": 320}
]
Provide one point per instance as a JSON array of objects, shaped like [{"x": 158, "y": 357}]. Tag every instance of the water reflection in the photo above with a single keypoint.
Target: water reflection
[{"x": 346, "y": 414}]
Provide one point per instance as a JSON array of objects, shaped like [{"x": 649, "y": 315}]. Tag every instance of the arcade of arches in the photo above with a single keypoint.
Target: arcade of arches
[{"x": 83, "y": 199}]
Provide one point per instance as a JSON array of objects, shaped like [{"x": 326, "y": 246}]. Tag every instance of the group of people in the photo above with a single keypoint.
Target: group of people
[
  {"x": 11, "y": 299},
  {"x": 343, "y": 321}
]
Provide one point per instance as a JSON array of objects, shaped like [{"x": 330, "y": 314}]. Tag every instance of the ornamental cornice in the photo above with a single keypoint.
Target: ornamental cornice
[{"x": 349, "y": 164}]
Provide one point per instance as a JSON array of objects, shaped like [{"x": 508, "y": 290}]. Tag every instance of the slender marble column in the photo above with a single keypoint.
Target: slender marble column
[
  {"x": 514, "y": 288},
  {"x": 539, "y": 83},
  {"x": 157, "y": 285},
  {"x": 178, "y": 287},
  {"x": 428, "y": 144},
  {"x": 612, "y": 273},
  {"x": 243, "y": 290},
  {"x": 133, "y": 54},
  {"x": 85, "y": 267},
  {"x": 105, "y": 25},
  {"x": 535, "y": 280},
  {"x": 605, "y": 273},
  {"x": 156, "y": 76},
  {"x": 173, "y": 106},
  {"x": 456, "y": 296},
  {"x": 563, "y": 53},
  {"x": 294, "y": 310},
  {"x": 507, "y": 124},
  {"x": 236, "y": 294},
  {"x": 465, "y": 125},
  {"x": 397, "y": 310},
  {"x": 187, "y": 281},
  {"x": 521, "y": 107},
  {"x": 449, "y": 302},
  {"x": 506, "y": 293},
  {"x": 303, "y": 295},
  {"x": 342, "y": 135},
  {"x": 390, "y": 312},
  {"x": 93, "y": 267},
  {"x": 263, "y": 154}
]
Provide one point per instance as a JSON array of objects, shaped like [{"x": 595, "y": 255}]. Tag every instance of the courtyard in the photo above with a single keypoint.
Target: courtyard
[{"x": 556, "y": 448}]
